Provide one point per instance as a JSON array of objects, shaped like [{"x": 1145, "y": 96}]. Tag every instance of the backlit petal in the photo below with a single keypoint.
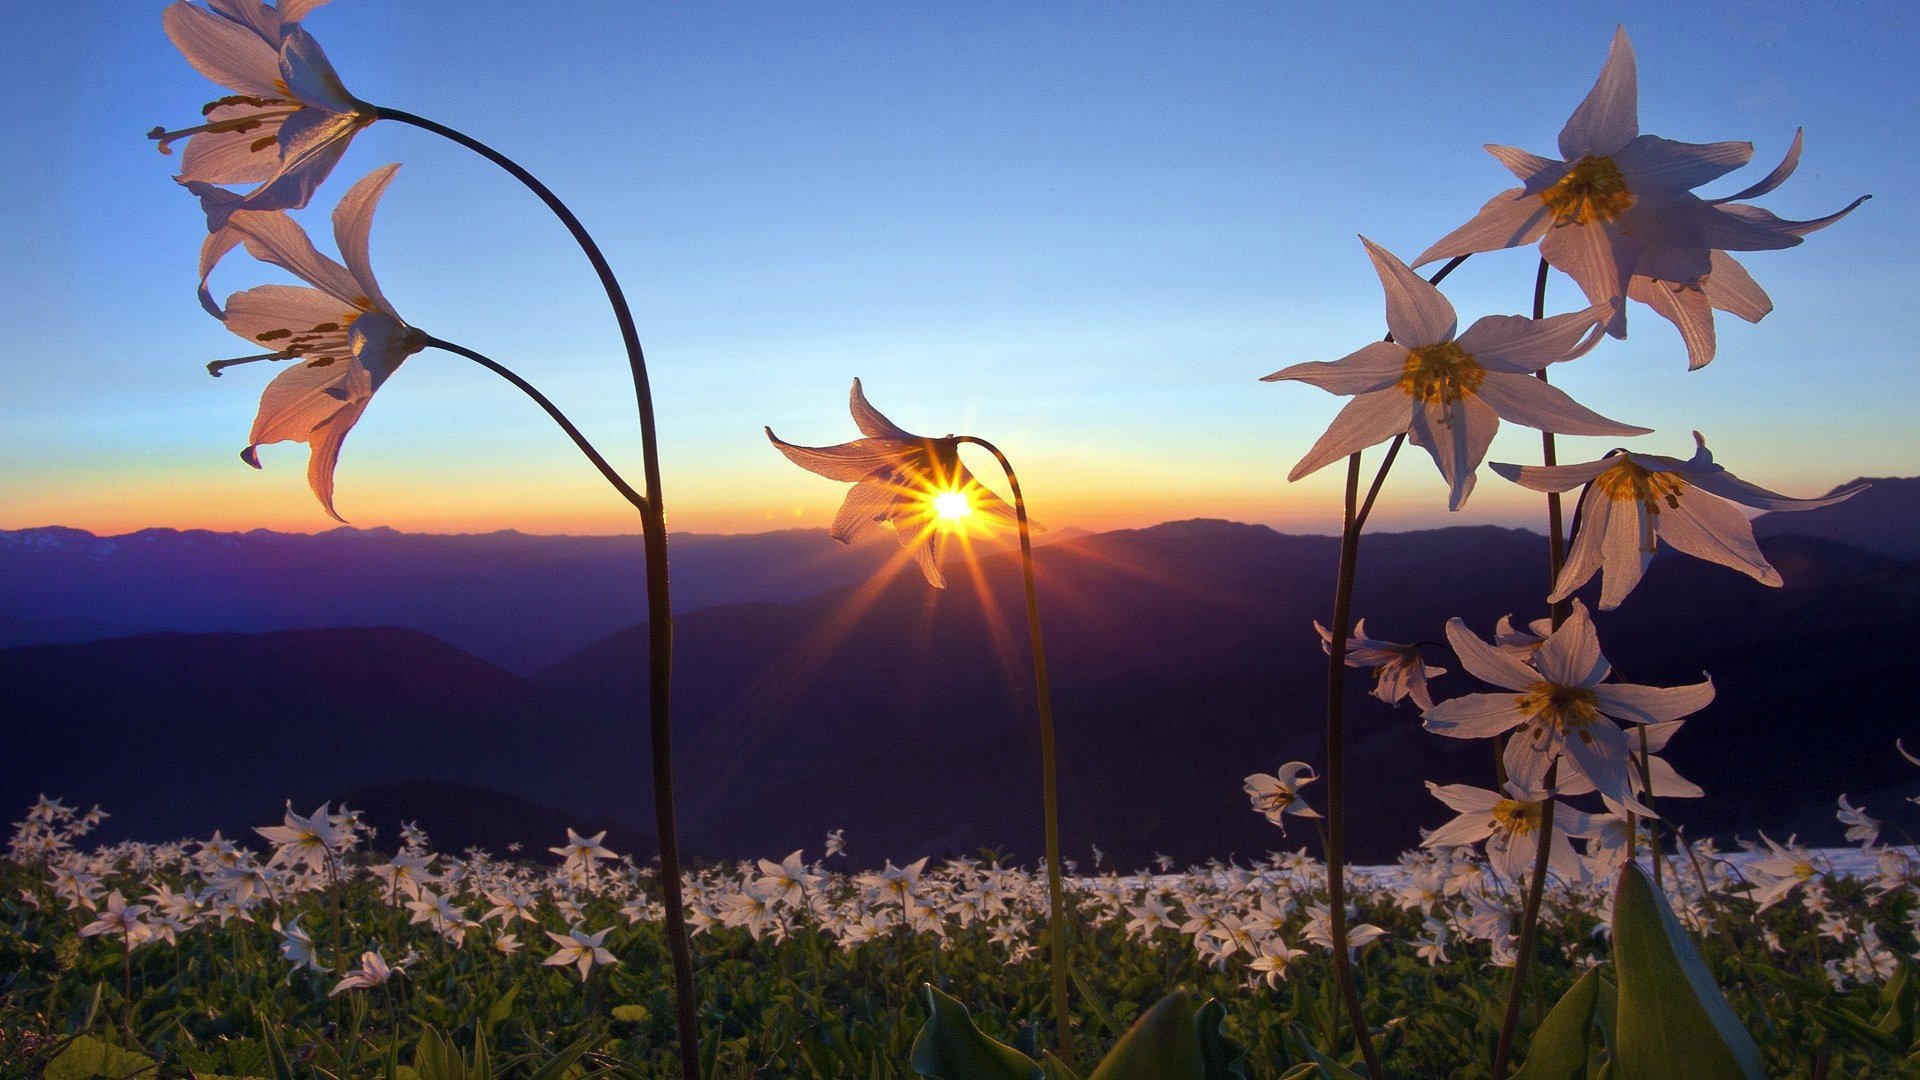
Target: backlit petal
[
  {"x": 1486, "y": 662},
  {"x": 225, "y": 51},
  {"x": 1652, "y": 704},
  {"x": 1365, "y": 421},
  {"x": 1610, "y": 115},
  {"x": 1510, "y": 219},
  {"x": 1524, "y": 399},
  {"x": 1417, "y": 313},
  {"x": 352, "y": 224},
  {"x": 1374, "y": 367}
]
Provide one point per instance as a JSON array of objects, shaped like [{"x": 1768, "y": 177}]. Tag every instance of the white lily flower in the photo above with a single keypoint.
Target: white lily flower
[
  {"x": 583, "y": 850},
  {"x": 1620, "y": 204},
  {"x": 1565, "y": 713},
  {"x": 580, "y": 949},
  {"x": 1277, "y": 795},
  {"x": 1273, "y": 959},
  {"x": 1400, "y": 671},
  {"x": 348, "y": 340},
  {"x": 1861, "y": 829},
  {"x": 286, "y": 125},
  {"x": 373, "y": 971},
  {"x": 1633, "y": 501},
  {"x": 122, "y": 919},
  {"x": 909, "y": 483},
  {"x": 1510, "y": 825},
  {"x": 1447, "y": 393}
]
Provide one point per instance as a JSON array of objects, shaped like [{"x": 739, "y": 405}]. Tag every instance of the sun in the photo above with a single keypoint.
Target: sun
[{"x": 952, "y": 507}]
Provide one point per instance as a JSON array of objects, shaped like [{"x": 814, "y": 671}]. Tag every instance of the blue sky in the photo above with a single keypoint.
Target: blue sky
[{"x": 1081, "y": 231}]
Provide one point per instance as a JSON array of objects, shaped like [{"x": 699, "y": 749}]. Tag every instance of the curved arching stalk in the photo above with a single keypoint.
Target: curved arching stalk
[
  {"x": 1049, "y": 782},
  {"x": 653, "y": 527}
]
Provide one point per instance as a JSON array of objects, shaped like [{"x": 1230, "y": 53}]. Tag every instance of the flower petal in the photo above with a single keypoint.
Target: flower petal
[
  {"x": 352, "y": 225},
  {"x": 1417, "y": 313},
  {"x": 1651, "y": 165},
  {"x": 1517, "y": 344},
  {"x": 1571, "y": 655},
  {"x": 1773, "y": 179},
  {"x": 1599, "y": 261},
  {"x": 1456, "y": 436},
  {"x": 1486, "y": 662},
  {"x": 848, "y": 461},
  {"x": 869, "y": 420},
  {"x": 273, "y": 237},
  {"x": 229, "y": 53},
  {"x": 1512, "y": 218},
  {"x": 1707, "y": 527},
  {"x": 310, "y": 75},
  {"x": 1473, "y": 716},
  {"x": 1731, "y": 289},
  {"x": 1365, "y": 421},
  {"x": 1374, "y": 367},
  {"x": 1687, "y": 308},
  {"x": 1553, "y": 477},
  {"x": 1610, "y": 115},
  {"x": 1524, "y": 399},
  {"x": 1587, "y": 552},
  {"x": 1652, "y": 704}
]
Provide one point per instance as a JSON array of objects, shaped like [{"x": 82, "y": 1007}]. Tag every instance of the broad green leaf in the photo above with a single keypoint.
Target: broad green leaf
[
  {"x": 1559, "y": 1047},
  {"x": 1672, "y": 1022},
  {"x": 1057, "y": 1069},
  {"x": 1164, "y": 1044},
  {"x": 951, "y": 1048},
  {"x": 88, "y": 1058},
  {"x": 1221, "y": 1058}
]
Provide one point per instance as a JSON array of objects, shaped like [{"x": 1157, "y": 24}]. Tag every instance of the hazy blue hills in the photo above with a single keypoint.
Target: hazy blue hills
[{"x": 1184, "y": 658}]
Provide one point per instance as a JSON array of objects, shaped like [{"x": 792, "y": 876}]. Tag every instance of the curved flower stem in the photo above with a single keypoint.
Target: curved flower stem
[
  {"x": 613, "y": 476},
  {"x": 1543, "y": 851},
  {"x": 653, "y": 527},
  {"x": 1049, "y": 782},
  {"x": 1353, "y": 519}
]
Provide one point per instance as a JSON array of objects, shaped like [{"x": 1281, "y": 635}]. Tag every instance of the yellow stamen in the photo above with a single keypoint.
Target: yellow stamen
[
  {"x": 1592, "y": 191},
  {"x": 1628, "y": 480},
  {"x": 1441, "y": 374},
  {"x": 1518, "y": 818},
  {"x": 1566, "y": 710}
]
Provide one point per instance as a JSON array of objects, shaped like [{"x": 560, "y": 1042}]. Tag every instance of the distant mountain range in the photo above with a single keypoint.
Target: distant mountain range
[
  {"x": 1184, "y": 658},
  {"x": 518, "y": 600}
]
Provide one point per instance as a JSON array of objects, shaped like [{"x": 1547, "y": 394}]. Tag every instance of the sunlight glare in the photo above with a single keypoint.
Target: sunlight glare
[{"x": 952, "y": 506}]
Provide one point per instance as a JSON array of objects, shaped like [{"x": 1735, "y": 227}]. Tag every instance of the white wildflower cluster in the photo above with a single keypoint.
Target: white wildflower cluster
[{"x": 1257, "y": 919}]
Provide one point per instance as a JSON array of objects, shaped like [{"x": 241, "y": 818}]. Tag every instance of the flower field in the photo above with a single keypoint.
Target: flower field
[{"x": 329, "y": 952}]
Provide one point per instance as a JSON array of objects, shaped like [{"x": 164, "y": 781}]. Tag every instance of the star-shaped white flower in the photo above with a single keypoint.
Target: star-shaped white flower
[
  {"x": 1448, "y": 393},
  {"x": 1619, "y": 205},
  {"x": 580, "y": 949},
  {"x": 1633, "y": 501},
  {"x": 1399, "y": 670},
  {"x": 1559, "y": 709},
  {"x": 1510, "y": 825},
  {"x": 1278, "y": 794}
]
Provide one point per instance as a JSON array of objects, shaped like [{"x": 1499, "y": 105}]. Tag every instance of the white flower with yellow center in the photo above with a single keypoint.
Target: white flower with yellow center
[
  {"x": 1620, "y": 205},
  {"x": 1510, "y": 826},
  {"x": 1633, "y": 501},
  {"x": 1278, "y": 794},
  {"x": 1400, "y": 672},
  {"x": 1560, "y": 710},
  {"x": 1447, "y": 393}
]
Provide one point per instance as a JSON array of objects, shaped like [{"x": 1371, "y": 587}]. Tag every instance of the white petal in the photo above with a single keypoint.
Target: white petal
[
  {"x": 848, "y": 461},
  {"x": 1417, "y": 313},
  {"x": 865, "y": 507},
  {"x": 1731, "y": 289},
  {"x": 1365, "y": 421},
  {"x": 273, "y": 237},
  {"x": 1652, "y": 166},
  {"x": 1652, "y": 704},
  {"x": 230, "y": 54},
  {"x": 1526, "y": 400},
  {"x": 1487, "y": 663},
  {"x": 1687, "y": 308},
  {"x": 1707, "y": 527},
  {"x": 310, "y": 75},
  {"x": 1465, "y": 798},
  {"x": 1374, "y": 367},
  {"x": 1510, "y": 219},
  {"x": 233, "y": 157},
  {"x": 1728, "y": 486},
  {"x": 1457, "y": 438},
  {"x": 1610, "y": 115},
  {"x": 869, "y": 420},
  {"x": 1517, "y": 344},
  {"x": 1473, "y": 716},
  {"x": 1598, "y": 260},
  {"x": 1571, "y": 655},
  {"x": 1553, "y": 477},
  {"x": 1587, "y": 552},
  {"x": 352, "y": 225}
]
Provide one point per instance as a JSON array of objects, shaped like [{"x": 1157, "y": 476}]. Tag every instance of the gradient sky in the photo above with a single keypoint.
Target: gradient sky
[{"x": 1082, "y": 231}]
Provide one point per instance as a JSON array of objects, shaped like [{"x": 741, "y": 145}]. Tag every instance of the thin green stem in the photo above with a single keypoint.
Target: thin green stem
[
  {"x": 1049, "y": 782},
  {"x": 1353, "y": 519},
  {"x": 653, "y": 526},
  {"x": 1543, "y": 850}
]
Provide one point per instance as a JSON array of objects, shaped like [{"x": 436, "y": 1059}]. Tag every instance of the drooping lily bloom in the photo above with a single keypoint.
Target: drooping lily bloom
[
  {"x": 581, "y": 950},
  {"x": 1277, "y": 795},
  {"x": 1619, "y": 204},
  {"x": 1509, "y": 824},
  {"x": 912, "y": 484},
  {"x": 1449, "y": 393},
  {"x": 1633, "y": 501},
  {"x": 1559, "y": 709},
  {"x": 288, "y": 120},
  {"x": 1400, "y": 671},
  {"x": 348, "y": 340}
]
